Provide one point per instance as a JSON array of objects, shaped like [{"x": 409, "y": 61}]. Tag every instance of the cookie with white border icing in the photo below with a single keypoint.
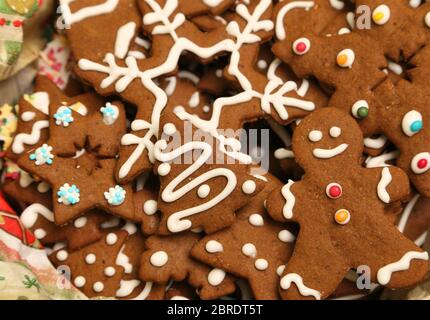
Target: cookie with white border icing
[{"x": 349, "y": 205}]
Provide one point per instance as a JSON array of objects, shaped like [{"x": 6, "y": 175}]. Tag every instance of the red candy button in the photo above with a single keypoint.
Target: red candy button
[
  {"x": 421, "y": 164},
  {"x": 334, "y": 190}
]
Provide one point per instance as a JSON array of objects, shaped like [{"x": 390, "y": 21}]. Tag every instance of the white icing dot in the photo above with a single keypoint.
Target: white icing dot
[
  {"x": 215, "y": 277},
  {"x": 213, "y": 246},
  {"x": 111, "y": 239},
  {"x": 249, "y": 250},
  {"x": 159, "y": 258},
  {"x": 335, "y": 132},
  {"x": 62, "y": 255},
  {"x": 40, "y": 233},
  {"x": 427, "y": 19},
  {"x": 169, "y": 129},
  {"x": 80, "y": 222},
  {"x": 261, "y": 264},
  {"x": 163, "y": 169},
  {"x": 218, "y": 73},
  {"x": 109, "y": 271},
  {"x": 286, "y": 236},
  {"x": 90, "y": 258},
  {"x": 98, "y": 286},
  {"x": 79, "y": 281},
  {"x": 315, "y": 135},
  {"x": 206, "y": 109},
  {"x": 256, "y": 220},
  {"x": 150, "y": 207},
  {"x": 203, "y": 191},
  {"x": 262, "y": 64},
  {"x": 249, "y": 187},
  {"x": 280, "y": 270}
]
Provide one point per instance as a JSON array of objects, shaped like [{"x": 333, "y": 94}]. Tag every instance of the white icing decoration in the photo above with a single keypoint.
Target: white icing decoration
[
  {"x": 159, "y": 258},
  {"x": 298, "y": 281},
  {"x": 280, "y": 30},
  {"x": 124, "y": 36},
  {"x": 28, "y": 116},
  {"x": 169, "y": 129},
  {"x": 212, "y": 3},
  {"x": 261, "y": 264},
  {"x": 262, "y": 64},
  {"x": 386, "y": 179},
  {"x": 290, "y": 200},
  {"x": 40, "y": 233},
  {"x": 415, "y": 160},
  {"x": 350, "y": 58},
  {"x": 194, "y": 100},
  {"x": 383, "y": 10},
  {"x": 256, "y": 220},
  {"x": 130, "y": 227},
  {"x": 335, "y": 132},
  {"x": 79, "y": 281},
  {"x": 384, "y": 274},
  {"x": 109, "y": 271},
  {"x": 39, "y": 100},
  {"x": 395, "y": 68},
  {"x": 330, "y": 153},
  {"x": 286, "y": 236},
  {"x": 43, "y": 187},
  {"x": 62, "y": 255},
  {"x": 249, "y": 250},
  {"x": 80, "y": 222},
  {"x": 337, "y": 4},
  {"x": 123, "y": 261},
  {"x": 98, "y": 286},
  {"x": 86, "y": 12},
  {"x": 111, "y": 239},
  {"x": 280, "y": 270},
  {"x": 315, "y": 136},
  {"x": 216, "y": 277},
  {"x": 90, "y": 258},
  {"x": 381, "y": 161},
  {"x": 126, "y": 288},
  {"x": 375, "y": 143},
  {"x": 203, "y": 191},
  {"x": 409, "y": 119},
  {"x": 30, "y": 214},
  {"x": 164, "y": 169},
  {"x": 150, "y": 207},
  {"x": 248, "y": 187},
  {"x": 213, "y": 246},
  {"x": 29, "y": 139},
  {"x": 110, "y": 113}
]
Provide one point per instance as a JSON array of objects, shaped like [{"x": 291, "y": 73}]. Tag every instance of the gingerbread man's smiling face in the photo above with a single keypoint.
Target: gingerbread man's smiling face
[{"x": 334, "y": 141}]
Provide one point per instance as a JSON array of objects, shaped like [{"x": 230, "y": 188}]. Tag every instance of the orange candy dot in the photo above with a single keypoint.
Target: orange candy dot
[
  {"x": 342, "y": 59},
  {"x": 342, "y": 216}
]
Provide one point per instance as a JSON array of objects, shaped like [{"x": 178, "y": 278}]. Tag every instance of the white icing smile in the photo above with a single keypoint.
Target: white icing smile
[{"x": 330, "y": 153}]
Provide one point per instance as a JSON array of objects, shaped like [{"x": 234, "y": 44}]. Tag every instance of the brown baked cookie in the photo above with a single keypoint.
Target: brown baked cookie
[
  {"x": 181, "y": 291},
  {"x": 27, "y": 190},
  {"x": 93, "y": 268},
  {"x": 393, "y": 27},
  {"x": 77, "y": 234},
  {"x": 82, "y": 183},
  {"x": 254, "y": 247},
  {"x": 202, "y": 184},
  {"x": 355, "y": 232},
  {"x": 32, "y": 119},
  {"x": 168, "y": 258}
]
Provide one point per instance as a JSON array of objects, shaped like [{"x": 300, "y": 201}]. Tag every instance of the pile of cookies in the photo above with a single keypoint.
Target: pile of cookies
[{"x": 135, "y": 176}]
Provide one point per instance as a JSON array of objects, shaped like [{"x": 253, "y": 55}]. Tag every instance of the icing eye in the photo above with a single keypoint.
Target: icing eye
[
  {"x": 381, "y": 14},
  {"x": 301, "y": 46},
  {"x": 427, "y": 19},
  {"x": 335, "y": 132},
  {"x": 412, "y": 123},
  {"x": 345, "y": 58},
  {"x": 315, "y": 136},
  {"x": 421, "y": 163},
  {"x": 360, "y": 109},
  {"x": 342, "y": 216}
]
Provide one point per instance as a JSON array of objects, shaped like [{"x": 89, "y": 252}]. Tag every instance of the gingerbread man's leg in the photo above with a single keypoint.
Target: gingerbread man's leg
[
  {"x": 314, "y": 271},
  {"x": 397, "y": 262}
]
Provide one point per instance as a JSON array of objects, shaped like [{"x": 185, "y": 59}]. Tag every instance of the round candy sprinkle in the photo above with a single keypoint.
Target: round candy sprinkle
[
  {"x": 301, "y": 46},
  {"x": 334, "y": 191},
  {"x": 342, "y": 216}
]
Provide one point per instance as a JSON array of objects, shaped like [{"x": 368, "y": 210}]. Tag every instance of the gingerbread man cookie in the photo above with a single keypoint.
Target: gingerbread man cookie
[{"x": 341, "y": 213}]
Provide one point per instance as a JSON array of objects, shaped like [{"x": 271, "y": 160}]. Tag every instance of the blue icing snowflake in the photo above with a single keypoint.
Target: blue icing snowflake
[
  {"x": 110, "y": 113},
  {"x": 42, "y": 155},
  {"x": 115, "y": 196},
  {"x": 68, "y": 194},
  {"x": 63, "y": 116}
]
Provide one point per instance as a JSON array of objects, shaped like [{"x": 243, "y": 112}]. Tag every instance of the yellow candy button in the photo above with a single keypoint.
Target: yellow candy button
[{"x": 342, "y": 216}]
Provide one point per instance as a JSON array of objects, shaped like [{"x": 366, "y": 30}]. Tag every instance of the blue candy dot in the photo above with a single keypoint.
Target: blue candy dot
[{"x": 416, "y": 126}]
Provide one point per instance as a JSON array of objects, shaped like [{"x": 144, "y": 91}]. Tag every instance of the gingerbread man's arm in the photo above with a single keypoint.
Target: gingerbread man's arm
[
  {"x": 393, "y": 184},
  {"x": 282, "y": 202}
]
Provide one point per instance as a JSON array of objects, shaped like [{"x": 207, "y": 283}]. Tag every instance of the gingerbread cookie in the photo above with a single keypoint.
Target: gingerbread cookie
[
  {"x": 254, "y": 247},
  {"x": 326, "y": 198}
]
